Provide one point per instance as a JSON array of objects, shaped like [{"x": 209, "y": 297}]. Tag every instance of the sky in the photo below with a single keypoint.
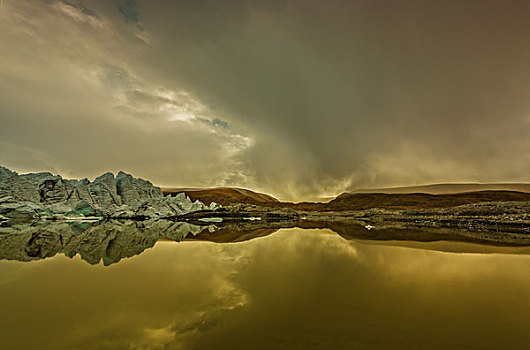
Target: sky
[{"x": 296, "y": 98}]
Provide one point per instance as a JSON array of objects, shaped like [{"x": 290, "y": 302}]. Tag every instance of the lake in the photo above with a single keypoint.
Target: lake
[{"x": 292, "y": 289}]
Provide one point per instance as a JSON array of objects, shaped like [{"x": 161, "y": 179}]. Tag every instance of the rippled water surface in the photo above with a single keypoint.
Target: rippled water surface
[{"x": 294, "y": 289}]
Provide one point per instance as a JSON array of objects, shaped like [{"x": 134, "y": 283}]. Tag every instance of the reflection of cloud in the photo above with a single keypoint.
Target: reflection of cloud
[
  {"x": 315, "y": 290},
  {"x": 156, "y": 337},
  {"x": 294, "y": 290},
  {"x": 147, "y": 303}
]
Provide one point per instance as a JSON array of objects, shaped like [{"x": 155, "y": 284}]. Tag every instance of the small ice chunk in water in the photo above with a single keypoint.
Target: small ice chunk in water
[{"x": 211, "y": 219}]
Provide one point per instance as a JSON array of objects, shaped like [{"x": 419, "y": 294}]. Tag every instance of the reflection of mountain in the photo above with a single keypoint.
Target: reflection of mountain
[
  {"x": 392, "y": 232},
  {"x": 111, "y": 241},
  {"x": 108, "y": 241},
  {"x": 232, "y": 235}
]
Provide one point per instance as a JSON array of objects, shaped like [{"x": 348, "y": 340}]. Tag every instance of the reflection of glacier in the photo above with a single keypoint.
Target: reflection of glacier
[{"x": 109, "y": 241}]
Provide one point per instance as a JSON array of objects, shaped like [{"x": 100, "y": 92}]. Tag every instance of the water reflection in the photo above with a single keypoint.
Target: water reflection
[
  {"x": 111, "y": 241},
  {"x": 293, "y": 289},
  {"x": 108, "y": 241}
]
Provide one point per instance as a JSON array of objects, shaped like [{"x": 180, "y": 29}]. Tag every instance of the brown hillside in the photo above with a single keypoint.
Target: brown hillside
[
  {"x": 361, "y": 201},
  {"x": 351, "y": 201},
  {"x": 449, "y": 188},
  {"x": 223, "y": 195},
  {"x": 421, "y": 200}
]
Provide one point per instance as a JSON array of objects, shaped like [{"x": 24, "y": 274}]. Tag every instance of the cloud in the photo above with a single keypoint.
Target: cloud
[
  {"x": 77, "y": 13},
  {"x": 300, "y": 98},
  {"x": 333, "y": 89},
  {"x": 89, "y": 107},
  {"x": 129, "y": 10}
]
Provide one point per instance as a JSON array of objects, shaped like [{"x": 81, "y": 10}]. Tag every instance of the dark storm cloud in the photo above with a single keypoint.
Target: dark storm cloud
[
  {"x": 129, "y": 10},
  {"x": 319, "y": 96},
  {"x": 362, "y": 93}
]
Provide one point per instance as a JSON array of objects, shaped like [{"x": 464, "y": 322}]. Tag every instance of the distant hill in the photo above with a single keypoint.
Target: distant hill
[
  {"x": 419, "y": 197},
  {"x": 223, "y": 195},
  {"x": 450, "y": 188},
  {"x": 352, "y": 201}
]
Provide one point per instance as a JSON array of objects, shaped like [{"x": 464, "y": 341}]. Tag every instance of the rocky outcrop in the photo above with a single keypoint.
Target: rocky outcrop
[
  {"x": 16, "y": 187},
  {"x": 131, "y": 190},
  {"x": 44, "y": 195}
]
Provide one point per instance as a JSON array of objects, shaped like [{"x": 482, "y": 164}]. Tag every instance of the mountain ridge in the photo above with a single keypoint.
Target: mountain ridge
[
  {"x": 449, "y": 188},
  {"x": 354, "y": 201},
  {"x": 223, "y": 195}
]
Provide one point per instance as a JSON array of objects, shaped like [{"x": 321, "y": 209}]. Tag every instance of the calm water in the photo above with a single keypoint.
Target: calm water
[{"x": 294, "y": 289}]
